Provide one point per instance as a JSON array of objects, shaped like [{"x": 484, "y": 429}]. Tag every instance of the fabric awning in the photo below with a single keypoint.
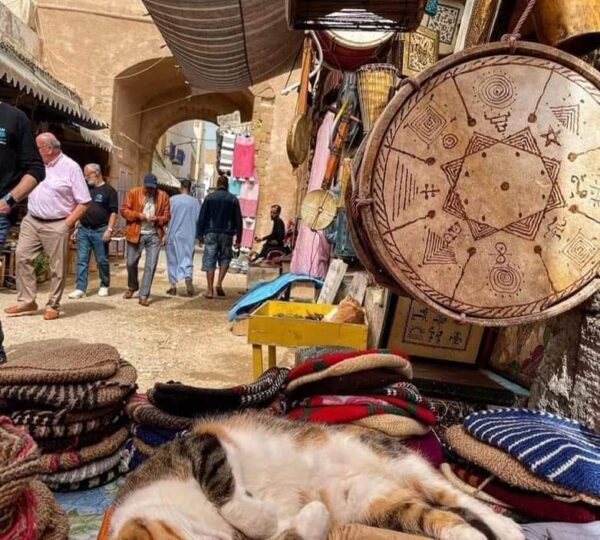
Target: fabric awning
[
  {"x": 99, "y": 138},
  {"x": 164, "y": 177},
  {"x": 226, "y": 45},
  {"x": 27, "y": 75}
]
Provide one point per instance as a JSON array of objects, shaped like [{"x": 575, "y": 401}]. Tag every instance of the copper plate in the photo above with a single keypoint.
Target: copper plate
[
  {"x": 483, "y": 188},
  {"x": 298, "y": 139}
]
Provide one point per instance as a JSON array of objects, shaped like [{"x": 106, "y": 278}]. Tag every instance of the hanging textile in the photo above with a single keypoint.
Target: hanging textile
[
  {"x": 226, "y": 158},
  {"x": 249, "y": 198},
  {"x": 235, "y": 187},
  {"x": 311, "y": 254},
  {"x": 248, "y": 232},
  {"x": 243, "y": 156}
]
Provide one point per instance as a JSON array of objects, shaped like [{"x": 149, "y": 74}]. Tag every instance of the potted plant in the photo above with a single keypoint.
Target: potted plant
[{"x": 41, "y": 265}]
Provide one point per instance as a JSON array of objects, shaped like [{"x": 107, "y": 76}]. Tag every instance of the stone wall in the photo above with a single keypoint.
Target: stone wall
[
  {"x": 272, "y": 116},
  {"x": 567, "y": 381},
  {"x": 18, "y": 33}
]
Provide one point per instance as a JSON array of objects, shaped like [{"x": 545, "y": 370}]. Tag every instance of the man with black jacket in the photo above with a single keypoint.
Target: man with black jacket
[
  {"x": 220, "y": 220},
  {"x": 21, "y": 169},
  {"x": 273, "y": 241}
]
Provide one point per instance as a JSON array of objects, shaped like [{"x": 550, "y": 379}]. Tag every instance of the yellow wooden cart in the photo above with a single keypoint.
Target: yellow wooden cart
[{"x": 285, "y": 324}]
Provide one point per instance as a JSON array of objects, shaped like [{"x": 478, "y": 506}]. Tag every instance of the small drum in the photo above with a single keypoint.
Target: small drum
[
  {"x": 570, "y": 25},
  {"x": 347, "y": 50},
  {"x": 375, "y": 83}
]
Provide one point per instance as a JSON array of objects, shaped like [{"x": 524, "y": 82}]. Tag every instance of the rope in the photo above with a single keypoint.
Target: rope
[{"x": 515, "y": 35}]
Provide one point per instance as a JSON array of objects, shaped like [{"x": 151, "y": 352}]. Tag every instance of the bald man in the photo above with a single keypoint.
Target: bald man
[{"x": 54, "y": 207}]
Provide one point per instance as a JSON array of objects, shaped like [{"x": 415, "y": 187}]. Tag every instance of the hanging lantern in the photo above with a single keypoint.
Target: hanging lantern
[{"x": 368, "y": 15}]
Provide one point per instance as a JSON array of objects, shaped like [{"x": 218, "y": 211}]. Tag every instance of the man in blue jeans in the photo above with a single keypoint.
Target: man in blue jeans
[
  {"x": 94, "y": 231},
  {"x": 21, "y": 169},
  {"x": 219, "y": 222}
]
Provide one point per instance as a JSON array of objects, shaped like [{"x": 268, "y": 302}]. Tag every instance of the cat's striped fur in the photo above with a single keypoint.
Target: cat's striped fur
[{"x": 253, "y": 476}]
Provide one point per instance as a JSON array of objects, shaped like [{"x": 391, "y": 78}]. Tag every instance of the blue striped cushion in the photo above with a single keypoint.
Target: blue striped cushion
[{"x": 561, "y": 450}]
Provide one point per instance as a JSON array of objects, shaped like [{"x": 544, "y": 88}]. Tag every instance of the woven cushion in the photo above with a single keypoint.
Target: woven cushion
[
  {"x": 141, "y": 411},
  {"x": 91, "y": 483},
  {"x": 78, "y": 428},
  {"x": 35, "y": 416},
  {"x": 562, "y": 451},
  {"x": 19, "y": 461},
  {"x": 339, "y": 364},
  {"x": 65, "y": 461},
  {"x": 70, "y": 364},
  {"x": 80, "y": 396},
  {"x": 505, "y": 467},
  {"x": 85, "y": 472},
  {"x": 182, "y": 400},
  {"x": 154, "y": 436},
  {"x": 58, "y": 529},
  {"x": 393, "y": 425}
]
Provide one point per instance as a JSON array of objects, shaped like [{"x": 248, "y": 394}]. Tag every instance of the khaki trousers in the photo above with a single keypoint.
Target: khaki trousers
[{"x": 37, "y": 236}]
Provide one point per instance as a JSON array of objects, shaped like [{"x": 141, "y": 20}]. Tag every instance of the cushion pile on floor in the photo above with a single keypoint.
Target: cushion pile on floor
[
  {"x": 72, "y": 403},
  {"x": 541, "y": 465},
  {"x": 370, "y": 389},
  {"x": 28, "y": 510}
]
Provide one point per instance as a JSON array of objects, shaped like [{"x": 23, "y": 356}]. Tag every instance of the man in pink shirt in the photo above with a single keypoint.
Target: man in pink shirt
[{"x": 54, "y": 207}]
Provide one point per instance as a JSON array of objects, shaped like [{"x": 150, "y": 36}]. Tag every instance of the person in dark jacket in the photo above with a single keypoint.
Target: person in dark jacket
[
  {"x": 21, "y": 170},
  {"x": 219, "y": 222},
  {"x": 273, "y": 241}
]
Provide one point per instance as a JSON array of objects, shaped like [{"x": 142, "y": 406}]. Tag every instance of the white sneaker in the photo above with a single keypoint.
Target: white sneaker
[
  {"x": 103, "y": 291},
  {"x": 76, "y": 294}
]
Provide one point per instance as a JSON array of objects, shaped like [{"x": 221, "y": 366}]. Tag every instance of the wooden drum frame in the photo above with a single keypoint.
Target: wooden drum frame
[{"x": 479, "y": 191}]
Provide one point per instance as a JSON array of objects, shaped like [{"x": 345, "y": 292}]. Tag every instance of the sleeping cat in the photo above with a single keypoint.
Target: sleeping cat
[{"x": 254, "y": 476}]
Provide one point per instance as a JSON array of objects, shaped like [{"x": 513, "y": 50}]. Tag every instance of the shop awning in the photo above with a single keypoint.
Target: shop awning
[
  {"x": 165, "y": 178},
  {"x": 26, "y": 75},
  {"x": 226, "y": 45},
  {"x": 99, "y": 138}
]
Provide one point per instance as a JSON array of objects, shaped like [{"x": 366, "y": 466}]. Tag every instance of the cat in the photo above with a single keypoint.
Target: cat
[{"x": 256, "y": 476}]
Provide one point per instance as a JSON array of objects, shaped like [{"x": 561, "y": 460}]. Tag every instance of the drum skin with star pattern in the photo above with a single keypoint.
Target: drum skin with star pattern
[{"x": 479, "y": 190}]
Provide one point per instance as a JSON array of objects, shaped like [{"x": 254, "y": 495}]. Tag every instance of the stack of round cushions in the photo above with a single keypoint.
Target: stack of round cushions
[
  {"x": 72, "y": 400},
  {"x": 28, "y": 510},
  {"x": 150, "y": 427},
  {"x": 544, "y": 466},
  {"x": 369, "y": 389}
]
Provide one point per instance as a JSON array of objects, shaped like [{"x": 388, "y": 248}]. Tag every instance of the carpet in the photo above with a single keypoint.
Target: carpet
[{"x": 561, "y": 450}]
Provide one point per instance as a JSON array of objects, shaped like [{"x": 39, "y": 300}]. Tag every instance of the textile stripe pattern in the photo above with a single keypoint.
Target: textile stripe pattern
[{"x": 561, "y": 450}]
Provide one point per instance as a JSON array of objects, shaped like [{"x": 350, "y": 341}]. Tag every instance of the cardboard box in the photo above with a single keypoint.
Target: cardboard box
[
  {"x": 261, "y": 272},
  {"x": 303, "y": 292}
]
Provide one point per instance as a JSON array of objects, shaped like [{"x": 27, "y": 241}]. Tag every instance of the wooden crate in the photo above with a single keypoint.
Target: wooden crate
[
  {"x": 303, "y": 291},
  {"x": 283, "y": 324},
  {"x": 261, "y": 272},
  {"x": 72, "y": 262}
]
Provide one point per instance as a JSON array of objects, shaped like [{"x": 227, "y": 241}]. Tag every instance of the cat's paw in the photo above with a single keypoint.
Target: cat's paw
[
  {"x": 313, "y": 521},
  {"x": 461, "y": 532},
  {"x": 254, "y": 517}
]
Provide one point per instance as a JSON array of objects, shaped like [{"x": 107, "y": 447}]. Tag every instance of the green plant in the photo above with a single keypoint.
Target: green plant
[{"x": 41, "y": 265}]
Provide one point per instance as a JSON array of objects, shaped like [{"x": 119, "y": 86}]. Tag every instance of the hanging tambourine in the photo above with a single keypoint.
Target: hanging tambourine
[{"x": 479, "y": 191}]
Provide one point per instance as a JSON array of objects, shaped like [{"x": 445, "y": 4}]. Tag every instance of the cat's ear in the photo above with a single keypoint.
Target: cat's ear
[{"x": 144, "y": 529}]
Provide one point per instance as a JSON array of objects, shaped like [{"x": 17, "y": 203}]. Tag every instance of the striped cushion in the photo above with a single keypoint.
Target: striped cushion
[{"x": 561, "y": 450}]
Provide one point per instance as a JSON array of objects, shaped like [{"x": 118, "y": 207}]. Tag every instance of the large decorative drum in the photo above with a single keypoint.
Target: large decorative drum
[
  {"x": 479, "y": 191},
  {"x": 348, "y": 49}
]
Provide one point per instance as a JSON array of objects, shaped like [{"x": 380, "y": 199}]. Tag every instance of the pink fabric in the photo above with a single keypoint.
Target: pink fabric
[
  {"x": 311, "y": 254},
  {"x": 248, "y": 207},
  {"x": 249, "y": 191},
  {"x": 243, "y": 157},
  {"x": 62, "y": 190}
]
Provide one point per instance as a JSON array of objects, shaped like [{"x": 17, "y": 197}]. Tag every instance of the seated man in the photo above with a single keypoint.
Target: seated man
[{"x": 273, "y": 241}]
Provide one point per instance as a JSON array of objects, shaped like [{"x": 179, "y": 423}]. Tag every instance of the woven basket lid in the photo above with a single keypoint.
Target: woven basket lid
[{"x": 69, "y": 364}]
